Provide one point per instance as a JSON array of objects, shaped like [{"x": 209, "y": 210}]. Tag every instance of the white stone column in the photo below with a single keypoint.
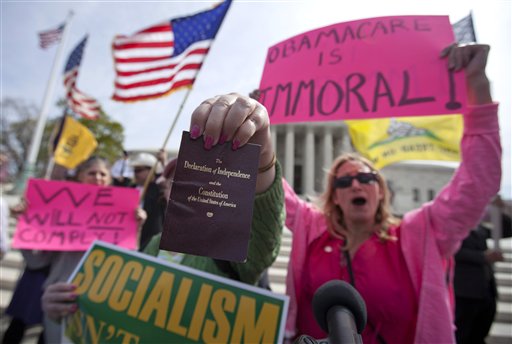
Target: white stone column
[
  {"x": 289, "y": 156},
  {"x": 328, "y": 150},
  {"x": 308, "y": 162},
  {"x": 273, "y": 137},
  {"x": 337, "y": 141},
  {"x": 346, "y": 146}
]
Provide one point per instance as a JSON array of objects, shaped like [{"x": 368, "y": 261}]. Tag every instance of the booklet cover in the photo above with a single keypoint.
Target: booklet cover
[{"x": 210, "y": 207}]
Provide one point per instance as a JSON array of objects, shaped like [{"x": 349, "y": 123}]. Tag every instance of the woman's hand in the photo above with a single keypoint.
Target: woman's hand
[
  {"x": 141, "y": 216},
  {"x": 473, "y": 59},
  {"x": 18, "y": 209},
  {"x": 239, "y": 119},
  {"x": 255, "y": 94},
  {"x": 58, "y": 300},
  {"x": 493, "y": 256},
  {"x": 161, "y": 156}
]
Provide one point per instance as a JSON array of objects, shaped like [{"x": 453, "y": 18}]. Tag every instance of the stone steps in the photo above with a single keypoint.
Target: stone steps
[
  {"x": 501, "y": 333},
  {"x": 503, "y": 267},
  {"x": 505, "y": 294}
]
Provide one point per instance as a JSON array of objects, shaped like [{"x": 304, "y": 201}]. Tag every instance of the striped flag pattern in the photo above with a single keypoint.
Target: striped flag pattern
[
  {"x": 165, "y": 57},
  {"x": 50, "y": 37},
  {"x": 79, "y": 102}
]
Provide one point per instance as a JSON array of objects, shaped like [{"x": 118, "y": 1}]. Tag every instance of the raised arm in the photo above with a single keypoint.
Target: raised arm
[
  {"x": 266, "y": 229},
  {"x": 461, "y": 203},
  {"x": 240, "y": 119}
]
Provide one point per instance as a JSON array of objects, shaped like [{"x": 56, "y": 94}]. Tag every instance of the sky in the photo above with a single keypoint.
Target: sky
[{"x": 236, "y": 59}]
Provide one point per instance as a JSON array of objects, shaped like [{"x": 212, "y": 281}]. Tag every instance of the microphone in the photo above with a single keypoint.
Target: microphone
[
  {"x": 340, "y": 311},
  {"x": 305, "y": 339}
]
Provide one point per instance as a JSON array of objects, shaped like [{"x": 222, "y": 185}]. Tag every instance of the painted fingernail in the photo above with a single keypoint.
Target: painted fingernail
[
  {"x": 194, "y": 133},
  {"x": 222, "y": 139},
  {"x": 235, "y": 144},
  {"x": 208, "y": 142}
]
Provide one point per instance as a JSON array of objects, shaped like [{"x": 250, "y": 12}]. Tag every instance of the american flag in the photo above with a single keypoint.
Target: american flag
[
  {"x": 78, "y": 101},
  {"x": 464, "y": 30},
  {"x": 165, "y": 57},
  {"x": 50, "y": 37}
]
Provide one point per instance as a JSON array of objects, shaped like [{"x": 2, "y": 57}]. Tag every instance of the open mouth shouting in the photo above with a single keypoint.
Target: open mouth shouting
[{"x": 359, "y": 201}]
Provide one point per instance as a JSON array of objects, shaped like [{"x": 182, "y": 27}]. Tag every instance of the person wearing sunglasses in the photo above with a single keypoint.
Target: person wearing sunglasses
[{"x": 399, "y": 266}]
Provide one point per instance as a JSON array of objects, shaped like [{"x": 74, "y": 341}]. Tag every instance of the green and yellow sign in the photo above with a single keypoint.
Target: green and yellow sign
[
  {"x": 128, "y": 297},
  {"x": 385, "y": 141}
]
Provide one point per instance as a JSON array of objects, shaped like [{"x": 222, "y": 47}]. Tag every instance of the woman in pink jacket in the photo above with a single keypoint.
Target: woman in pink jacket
[{"x": 398, "y": 267}]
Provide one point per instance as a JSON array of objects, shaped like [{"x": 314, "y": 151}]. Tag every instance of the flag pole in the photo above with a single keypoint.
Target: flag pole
[
  {"x": 49, "y": 168},
  {"x": 153, "y": 169},
  {"x": 53, "y": 143},
  {"x": 151, "y": 173},
  {"x": 30, "y": 163}
]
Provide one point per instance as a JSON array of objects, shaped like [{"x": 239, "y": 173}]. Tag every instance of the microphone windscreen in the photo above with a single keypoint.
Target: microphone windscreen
[
  {"x": 339, "y": 293},
  {"x": 305, "y": 339}
]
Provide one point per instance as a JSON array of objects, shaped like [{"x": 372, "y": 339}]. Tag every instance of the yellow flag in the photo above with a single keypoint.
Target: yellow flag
[
  {"x": 75, "y": 145},
  {"x": 389, "y": 140}
]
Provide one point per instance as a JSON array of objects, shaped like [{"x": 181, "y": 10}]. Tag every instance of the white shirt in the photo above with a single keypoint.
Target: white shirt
[{"x": 122, "y": 168}]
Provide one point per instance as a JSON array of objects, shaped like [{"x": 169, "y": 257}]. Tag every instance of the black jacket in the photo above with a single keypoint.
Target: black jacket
[
  {"x": 474, "y": 276},
  {"x": 155, "y": 206}
]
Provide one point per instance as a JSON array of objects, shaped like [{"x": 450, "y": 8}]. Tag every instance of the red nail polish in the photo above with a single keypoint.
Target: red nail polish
[
  {"x": 235, "y": 144},
  {"x": 222, "y": 139},
  {"x": 208, "y": 142},
  {"x": 194, "y": 133}
]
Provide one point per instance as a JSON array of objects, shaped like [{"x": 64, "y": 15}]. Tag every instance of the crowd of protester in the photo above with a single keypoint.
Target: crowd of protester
[{"x": 398, "y": 265}]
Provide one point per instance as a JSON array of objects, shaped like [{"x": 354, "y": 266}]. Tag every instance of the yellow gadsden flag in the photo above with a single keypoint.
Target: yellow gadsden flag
[
  {"x": 389, "y": 140},
  {"x": 76, "y": 144}
]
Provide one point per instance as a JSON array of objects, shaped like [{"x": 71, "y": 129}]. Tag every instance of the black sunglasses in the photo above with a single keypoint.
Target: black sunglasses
[
  {"x": 362, "y": 177},
  {"x": 140, "y": 169}
]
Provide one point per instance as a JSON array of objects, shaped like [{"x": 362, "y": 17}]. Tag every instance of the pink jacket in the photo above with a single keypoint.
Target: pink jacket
[{"x": 430, "y": 235}]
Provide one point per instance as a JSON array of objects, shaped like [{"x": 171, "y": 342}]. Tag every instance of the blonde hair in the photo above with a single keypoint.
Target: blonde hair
[
  {"x": 93, "y": 160},
  {"x": 334, "y": 214}
]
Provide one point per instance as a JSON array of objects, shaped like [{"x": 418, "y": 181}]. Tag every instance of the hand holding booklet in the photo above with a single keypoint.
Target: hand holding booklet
[{"x": 209, "y": 212}]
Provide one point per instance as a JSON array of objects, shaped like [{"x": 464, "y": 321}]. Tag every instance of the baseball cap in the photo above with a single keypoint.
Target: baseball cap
[{"x": 145, "y": 159}]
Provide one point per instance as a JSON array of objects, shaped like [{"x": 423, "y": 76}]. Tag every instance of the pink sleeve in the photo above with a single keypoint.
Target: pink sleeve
[
  {"x": 292, "y": 203},
  {"x": 460, "y": 205}
]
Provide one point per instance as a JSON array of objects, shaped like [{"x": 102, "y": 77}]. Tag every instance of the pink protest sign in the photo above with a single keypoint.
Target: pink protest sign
[
  {"x": 66, "y": 216},
  {"x": 371, "y": 68}
]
